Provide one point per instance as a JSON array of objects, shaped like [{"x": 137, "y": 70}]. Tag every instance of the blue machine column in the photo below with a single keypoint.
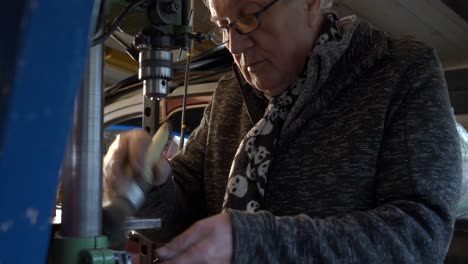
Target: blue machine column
[{"x": 45, "y": 78}]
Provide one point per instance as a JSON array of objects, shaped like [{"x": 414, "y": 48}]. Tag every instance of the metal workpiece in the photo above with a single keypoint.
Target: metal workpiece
[
  {"x": 155, "y": 88},
  {"x": 141, "y": 223},
  {"x": 82, "y": 168},
  {"x": 145, "y": 248},
  {"x": 155, "y": 57},
  {"x": 151, "y": 114},
  {"x": 125, "y": 203},
  {"x": 155, "y": 71}
]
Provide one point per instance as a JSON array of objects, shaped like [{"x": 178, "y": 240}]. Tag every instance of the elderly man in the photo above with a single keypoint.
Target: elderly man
[{"x": 329, "y": 142}]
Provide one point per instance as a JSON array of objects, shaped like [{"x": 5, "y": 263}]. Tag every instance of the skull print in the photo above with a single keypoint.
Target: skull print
[
  {"x": 264, "y": 127},
  {"x": 250, "y": 147},
  {"x": 322, "y": 39},
  {"x": 250, "y": 172},
  {"x": 252, "y": 206},
  {"x": 261, "y": 154},
  {"x": 238, "y": 186},
  {"x": 263, "y": 169}
]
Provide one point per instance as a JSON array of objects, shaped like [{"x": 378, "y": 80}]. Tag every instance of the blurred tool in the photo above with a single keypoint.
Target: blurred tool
[{"x": 130, "y": 197}]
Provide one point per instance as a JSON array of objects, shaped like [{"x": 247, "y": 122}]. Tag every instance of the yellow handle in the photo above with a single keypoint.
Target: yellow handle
[{"x": 155, "y": 151}]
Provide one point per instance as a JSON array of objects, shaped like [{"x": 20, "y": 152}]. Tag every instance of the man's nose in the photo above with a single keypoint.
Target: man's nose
[{"x": 238, "y": 42}]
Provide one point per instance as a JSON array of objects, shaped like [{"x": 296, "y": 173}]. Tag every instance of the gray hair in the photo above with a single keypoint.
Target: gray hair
[{"x": 325, "y": 5}]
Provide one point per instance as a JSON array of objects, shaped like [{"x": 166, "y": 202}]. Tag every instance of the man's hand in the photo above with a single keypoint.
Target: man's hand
[
  {"x": 127, "y": 152},
  {"x": 207, "y": 241}
]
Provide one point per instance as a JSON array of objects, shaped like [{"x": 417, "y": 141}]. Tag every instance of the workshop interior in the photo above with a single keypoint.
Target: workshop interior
[{"x": 74, "y": 74}]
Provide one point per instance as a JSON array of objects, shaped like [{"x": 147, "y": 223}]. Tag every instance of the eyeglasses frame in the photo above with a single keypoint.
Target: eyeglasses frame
[{"x": 233, "y": 23}]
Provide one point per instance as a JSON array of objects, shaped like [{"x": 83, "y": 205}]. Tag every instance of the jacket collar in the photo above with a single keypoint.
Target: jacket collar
[
  {"x": 336, "y": 66},
  {"x": 254, "y": 99}
]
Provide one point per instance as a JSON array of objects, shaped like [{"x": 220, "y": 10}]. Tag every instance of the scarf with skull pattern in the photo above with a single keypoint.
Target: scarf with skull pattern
[{"x": 249, "y": 171}]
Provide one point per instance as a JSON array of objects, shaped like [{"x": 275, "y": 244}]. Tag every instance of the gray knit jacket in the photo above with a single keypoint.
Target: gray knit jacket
[{"x": 367, "y": 166}]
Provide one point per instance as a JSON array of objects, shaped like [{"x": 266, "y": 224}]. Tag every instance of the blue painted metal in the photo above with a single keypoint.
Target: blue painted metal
[
  {"x": 13, "y": 17},
  {"x": 122, "y": 127},
  {"x": 48, "y": 71}
]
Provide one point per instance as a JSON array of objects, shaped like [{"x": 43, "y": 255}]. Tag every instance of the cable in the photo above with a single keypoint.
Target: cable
[
  {"x": 184, "y": 101},
  {"x": 116, "y": 22},
  {"x": 186, "y": 83},
  {"x": 183, "y": 126}
]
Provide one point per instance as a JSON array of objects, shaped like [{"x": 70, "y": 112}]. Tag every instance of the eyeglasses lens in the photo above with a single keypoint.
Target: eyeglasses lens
[{"x": 247, "y": 24}]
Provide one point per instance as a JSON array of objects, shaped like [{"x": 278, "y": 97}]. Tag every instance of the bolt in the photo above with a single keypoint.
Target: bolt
[
  {"x": 142, "y": 42},
  {"x": 173, "y": 7},
  {"x": 176, "y": 6}
]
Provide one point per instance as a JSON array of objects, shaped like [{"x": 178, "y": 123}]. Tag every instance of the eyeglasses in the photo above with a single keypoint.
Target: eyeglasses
[{"x": 243, "y": 25}]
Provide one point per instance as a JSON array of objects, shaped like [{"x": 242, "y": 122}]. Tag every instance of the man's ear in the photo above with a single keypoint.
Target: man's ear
[{"x": 313, "y": 12}]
